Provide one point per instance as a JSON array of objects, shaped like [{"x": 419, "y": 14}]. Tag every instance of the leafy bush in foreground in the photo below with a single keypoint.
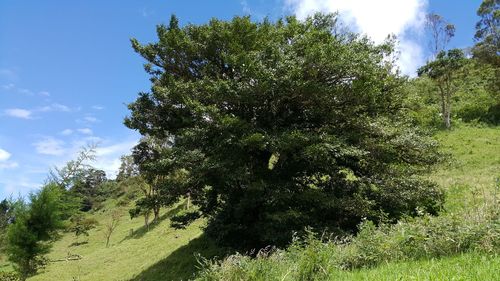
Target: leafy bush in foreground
[{"x": 316, "y": 258}]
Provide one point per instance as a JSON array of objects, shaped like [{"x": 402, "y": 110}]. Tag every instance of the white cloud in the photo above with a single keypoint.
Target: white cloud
[
  {"x": 19, "y": 113},
  {"x": 91, "y": 119},
  {"x": 67, "y": 132},
  {"x": 4, "y": 155},
  {"x": 50, "y": 146},
  {"x": 4, "y": 164},
  {"x": 97, "y": 107},
  {"x": 108, "y": 157},
  {"x": 377, "y": 19},
  {"x": 44, "y": 93},
  {"x": 55, "y": 107},
  {"x": 85, "y": 131}
]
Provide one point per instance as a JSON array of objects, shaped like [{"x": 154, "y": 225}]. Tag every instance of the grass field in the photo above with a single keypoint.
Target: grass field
[{"x": 167, "y": 254}]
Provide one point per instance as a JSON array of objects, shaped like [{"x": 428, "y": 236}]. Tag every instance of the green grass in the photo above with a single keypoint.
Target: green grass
[
  {"x": 469, "y": 176},
  {"x": 466, "y": 267},
  {"x": 167, "y": 254},
  {"x": 162, "y": 253}
]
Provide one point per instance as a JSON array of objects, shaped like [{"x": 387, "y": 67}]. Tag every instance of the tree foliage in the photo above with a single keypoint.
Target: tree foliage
[
  {"x": 445, "y": 71},
  {"x": 34, "y": 227},
  {"x": 282, "y": 125},
  {"x": 488, "y": 32}
]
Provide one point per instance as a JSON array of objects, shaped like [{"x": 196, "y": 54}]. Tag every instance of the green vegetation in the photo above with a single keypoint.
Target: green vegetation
[
  {"x": 34, "y": 225},
  {"x": 278, "y": 126},
  {"x": 164, "y": 253},
  {"x": 294, "y": 142}
]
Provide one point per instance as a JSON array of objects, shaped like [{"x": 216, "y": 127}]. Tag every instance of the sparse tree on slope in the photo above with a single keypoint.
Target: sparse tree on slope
[{"x": 445, "y": 71}]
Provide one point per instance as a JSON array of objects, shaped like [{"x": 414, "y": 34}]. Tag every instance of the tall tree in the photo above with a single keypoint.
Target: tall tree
[
  {"x": 440, "y": 32},
  {"x": 445, "y": 71},
  {"x": 487, "y": 33},
  {"x": 282, "y": 125}
]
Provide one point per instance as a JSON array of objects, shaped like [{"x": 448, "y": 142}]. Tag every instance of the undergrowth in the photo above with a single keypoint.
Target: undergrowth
[{"x": 316, "y": 257}]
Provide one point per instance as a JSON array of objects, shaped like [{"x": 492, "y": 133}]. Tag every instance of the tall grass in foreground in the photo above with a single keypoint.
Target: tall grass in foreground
[{"x": 319, "y": 258}]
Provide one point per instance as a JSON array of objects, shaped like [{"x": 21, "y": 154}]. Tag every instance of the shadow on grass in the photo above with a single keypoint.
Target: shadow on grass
[
  {"x": 141, "y": 231},
  {"x": 76, "y": 244},
  {"x": 183, "y": 263}
]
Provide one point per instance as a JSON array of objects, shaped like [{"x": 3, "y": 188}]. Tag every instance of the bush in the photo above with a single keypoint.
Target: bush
[
  {"x": 9, "y": 276},
  {"x": 317, "y": 258}
]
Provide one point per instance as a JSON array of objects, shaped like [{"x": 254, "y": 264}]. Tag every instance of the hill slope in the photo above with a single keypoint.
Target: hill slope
[{"x": 163, "y": 253}]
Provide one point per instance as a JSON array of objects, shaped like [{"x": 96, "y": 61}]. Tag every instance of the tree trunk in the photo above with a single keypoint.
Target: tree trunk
[
  {"x": 146, "y": 220},
  {"x": 188, "y": 200},
  {"x": 445, "y": 108},
  {"x": 447, "y": 119},
  {"x": 156, "y": 211}
]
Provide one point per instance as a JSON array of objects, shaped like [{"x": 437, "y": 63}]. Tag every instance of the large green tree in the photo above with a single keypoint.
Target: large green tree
[{"x": 283, "y": 125}]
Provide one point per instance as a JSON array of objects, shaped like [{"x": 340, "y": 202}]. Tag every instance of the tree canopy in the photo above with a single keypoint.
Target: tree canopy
[{"x": 282, "y": 125}]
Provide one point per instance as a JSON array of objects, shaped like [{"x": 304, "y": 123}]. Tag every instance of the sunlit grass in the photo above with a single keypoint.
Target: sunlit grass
[{"x": 167, "y": 254}]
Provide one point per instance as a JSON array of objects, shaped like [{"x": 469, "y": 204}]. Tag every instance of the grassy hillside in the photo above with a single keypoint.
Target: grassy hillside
[{"x": 167, "y": 254}]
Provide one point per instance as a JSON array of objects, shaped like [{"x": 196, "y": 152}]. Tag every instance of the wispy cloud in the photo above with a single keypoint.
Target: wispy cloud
[
  {"x": 8, "y": 87},
  {"x": 91, "y": 119},
  {"x": 145, "y": 12},
  {"x": 55, "y": 107},
  {"x": 50, "y": 146},
  {"x": 108, "y": 156},
  {"x": 245, "y": 7},
  {"x": 97, "y": 107},
  {"x": 377, "y": 19},
  {"x": 19, "y": 113},
  {"x": 88, "y": 119},
  {"x": 85, "y": 131},
  {"x": 8, "y": 73},
  {"x": 8, "y": 165},
  {"x": 66, "y": 132}
]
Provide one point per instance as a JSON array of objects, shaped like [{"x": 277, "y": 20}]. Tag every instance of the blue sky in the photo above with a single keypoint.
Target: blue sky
[{"x": 67, "y": 70}]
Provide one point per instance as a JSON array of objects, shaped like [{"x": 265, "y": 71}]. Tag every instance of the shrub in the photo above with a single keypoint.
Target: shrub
[
  {"x": 316, "y": 258},
  {"x": 9, "y": 276}
]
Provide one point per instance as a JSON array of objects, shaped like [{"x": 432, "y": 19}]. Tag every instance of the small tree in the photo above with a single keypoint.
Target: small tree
[
  {"x": 127, "y": 168},
  {"x": 7, "y": 207},
  {"x": 445, "y": 71},
  {"x": 142, "y": 208},
  {"x": 81, "y": 225},
  {"x": 34, "y": 227},
  {"x": 111, "y": 225}
]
